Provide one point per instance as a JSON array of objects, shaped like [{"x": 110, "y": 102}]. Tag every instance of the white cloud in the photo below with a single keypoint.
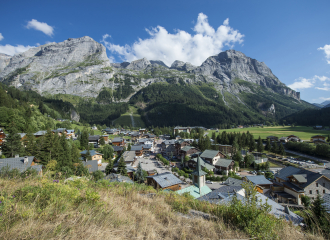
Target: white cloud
[
  {"x": 326, "y": 87},
  {"x": 1, "y": 37},
  {"x": 12, "y": 50},
  {"x": 326, "y": 50},
  {"x": 41, "y": 26},
  {"x": 322, "y": 78},
  {"x": 302, "y": 83},
  {"x": 168, "y": 47},
  {"x": 325, "y": 99}
]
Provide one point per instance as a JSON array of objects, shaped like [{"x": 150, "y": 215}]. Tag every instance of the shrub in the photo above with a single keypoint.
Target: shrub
[{"x": 98, "y": 175}]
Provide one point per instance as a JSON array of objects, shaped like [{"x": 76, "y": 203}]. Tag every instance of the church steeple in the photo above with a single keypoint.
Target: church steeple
[{"x": 199, "y": 175}]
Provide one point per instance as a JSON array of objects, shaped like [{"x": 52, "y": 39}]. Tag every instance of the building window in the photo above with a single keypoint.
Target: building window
[
  {"x": 310, "y": 192},
  {"x": 323, "y": 184},
  {"x": 317, "y": 184},
  {"x": 317, "y": 191},
  {"x": 323, "y": 191}
]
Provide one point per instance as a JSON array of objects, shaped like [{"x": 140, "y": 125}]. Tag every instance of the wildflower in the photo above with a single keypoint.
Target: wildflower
[{"x": 13, "y": 196}]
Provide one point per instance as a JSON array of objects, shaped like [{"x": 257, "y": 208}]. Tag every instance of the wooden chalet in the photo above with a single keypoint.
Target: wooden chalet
[
  {"x": 212, "y": 156},
  {"x": 118, "y": 142},
  {"x": 318, "y": 139},
  {"x": 138, "y": 149},
  {"x": 187, "y": 151},
  {"x": 179, "y": 144},
  {"x": 225, "y": 165},
  {"x": 164, "y": 181},
  {"x": 96, "y": 156}
]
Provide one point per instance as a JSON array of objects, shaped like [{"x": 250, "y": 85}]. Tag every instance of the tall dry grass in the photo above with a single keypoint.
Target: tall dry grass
[{"x": 121, "y": 212}]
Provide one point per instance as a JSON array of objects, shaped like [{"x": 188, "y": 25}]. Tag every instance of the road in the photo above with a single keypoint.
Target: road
[{"x": 132, "y": 119}]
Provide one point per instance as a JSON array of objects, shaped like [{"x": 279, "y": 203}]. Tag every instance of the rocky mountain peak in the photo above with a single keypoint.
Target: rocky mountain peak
[
  {"x": 139, "y": 64},
  {"x": 182, "y": 66}
]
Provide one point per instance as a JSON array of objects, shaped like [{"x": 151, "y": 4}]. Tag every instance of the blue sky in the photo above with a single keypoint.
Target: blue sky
[{"x": 291, "y": 37}]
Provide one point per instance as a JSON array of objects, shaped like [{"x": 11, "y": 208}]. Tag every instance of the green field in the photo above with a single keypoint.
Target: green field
[
  {"x": 96, "y": 132},
  {"x": 304, "y": 133},
  {"x": 125, "y": 119}
]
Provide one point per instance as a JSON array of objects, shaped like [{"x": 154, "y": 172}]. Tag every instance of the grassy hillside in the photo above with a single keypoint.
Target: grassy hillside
[
  {"x": 82, "y": 209},
  {"x": 126, "y": 120},
  {"x": 302, "y": 132}
]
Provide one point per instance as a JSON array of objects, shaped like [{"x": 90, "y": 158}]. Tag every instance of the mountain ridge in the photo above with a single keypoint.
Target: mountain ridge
[{"x": 81, "y": 67}]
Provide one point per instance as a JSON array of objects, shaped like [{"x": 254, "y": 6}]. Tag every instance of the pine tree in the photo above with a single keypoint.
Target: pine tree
[
  {"x": 47, "y": 148},
  {"x": 109, "y": 167},
  {"x": 75, "y": 154},
  {"x": 281, "y": 150},
  {"x": 252, "y": 144},
  {"x": 274, "y": 148},
  {"x": 101, "y": 141},
  {"x": 64, "y": 157},
  {"x": 13, "y": 144},
  {"x": 139, "y": 174},
  {"x": 30, "y": 145},
  {"x": 122, "y": 167},
  {"x": 260, "y": 146},
  {"x": 268, "y": 145}
]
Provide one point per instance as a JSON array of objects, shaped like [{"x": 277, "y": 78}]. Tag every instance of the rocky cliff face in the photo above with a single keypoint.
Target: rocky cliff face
[
  {"x": 4, "y": 61},
  {"x": 81, "y": 67}
]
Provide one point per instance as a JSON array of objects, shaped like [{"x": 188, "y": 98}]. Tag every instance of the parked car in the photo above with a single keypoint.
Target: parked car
[
  {"x": 238, "y": 174},
  {"x": 209, "y": 182}
]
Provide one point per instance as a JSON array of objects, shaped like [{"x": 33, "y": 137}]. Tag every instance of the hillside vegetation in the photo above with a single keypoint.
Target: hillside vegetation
[{"x": 44, "y": 208}]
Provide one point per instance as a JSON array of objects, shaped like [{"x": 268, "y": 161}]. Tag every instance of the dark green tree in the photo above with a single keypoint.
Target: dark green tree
[
  {"x": 64, "y": 159},
  {"x": 109, "y": 167},
  {"x": 281, "y": 150},
  {"x": 260, "y": 146},
  {"x": 102, "y": 141},
  {"x": 268, "y": 145},
  {"x": 13, "y": 145},
  {"x": 139, "y": 174},
  {"x": 274, "y": 148},
  {"x": 107, "y": 152},
  {"x": 98, "y": 175},
  {"x": 122, "y": 167}
]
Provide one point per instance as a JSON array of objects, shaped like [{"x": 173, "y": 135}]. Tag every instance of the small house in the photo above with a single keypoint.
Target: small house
[
  {"x": 212, "y": 156},
  {"x": 164, "y": 181},
  {"x": 118, "y": 142},
  {"x": 21, "y": 163},
  {"x": 224, "y": 165},
  {"x": 95, "y": 156}
]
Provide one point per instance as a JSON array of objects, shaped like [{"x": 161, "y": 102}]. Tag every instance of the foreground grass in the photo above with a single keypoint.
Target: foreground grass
[
  {"x": 304, "y": 133},
  {"x": 81, "y": 209}
]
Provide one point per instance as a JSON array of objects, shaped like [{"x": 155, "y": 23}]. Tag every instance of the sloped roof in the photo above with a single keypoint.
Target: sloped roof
[
  {"x": 129, "y": 156},
  {"x": 194, "y": 191},
  {"x": 258, "y": 180},
  {"x": 209, "y": 153},
  {"x": 221, "y": 193},
  {"x": 204, "y": 164},
  {"x": 91, "y": 152},
  {"x": 19, "y": 164},
  {"x": 117, "y": 140},
  {"x": 166, "y": 179},
  {"x": 21, "y": 134},
  {"x": 40, "y": 133},
  {"x": 289, "y": 171},
  {"x": 233, "y": 182},
  {"x": 186, "y": 148},
  {"x": 169, "y": 142},
  {"x": 93, "y": 137},
  {"x": 223, "y": 162},
  {"x": 136, "y": 148},
  {"x": 117, "y": 148},
  {"x": 92, "y": 165},
  {"x": 301, "y": 178}
]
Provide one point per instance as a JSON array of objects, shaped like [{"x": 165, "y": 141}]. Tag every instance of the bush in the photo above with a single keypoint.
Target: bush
[{"x": 98, "y": 175}]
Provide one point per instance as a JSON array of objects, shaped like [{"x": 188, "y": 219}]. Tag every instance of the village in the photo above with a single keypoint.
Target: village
[{"x": 178, "y": 165}]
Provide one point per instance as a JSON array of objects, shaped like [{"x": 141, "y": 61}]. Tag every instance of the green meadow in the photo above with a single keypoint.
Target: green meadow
[
  {"x": 125, "y": 119},
  {"x": 304, "y": 133}
]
